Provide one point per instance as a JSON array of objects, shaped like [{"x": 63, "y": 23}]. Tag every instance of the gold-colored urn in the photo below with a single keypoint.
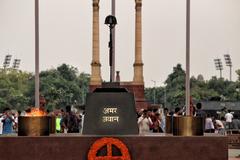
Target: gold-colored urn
[
  {"x": 33, "y": 126},
  {"x": 52, "y": 124},
  {"x": 169, "y": 124},
  {"x": 187, "y": 126}
]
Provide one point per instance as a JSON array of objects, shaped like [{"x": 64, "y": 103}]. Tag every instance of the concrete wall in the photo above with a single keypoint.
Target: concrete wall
[{"x": 140, "y": 147}]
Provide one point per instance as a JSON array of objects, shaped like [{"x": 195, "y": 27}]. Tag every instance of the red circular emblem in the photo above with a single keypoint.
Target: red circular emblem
[{"x": 108, "y": 142}]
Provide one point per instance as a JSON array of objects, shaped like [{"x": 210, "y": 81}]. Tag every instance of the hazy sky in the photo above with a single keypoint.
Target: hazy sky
[{"x": 66, "y": 33}]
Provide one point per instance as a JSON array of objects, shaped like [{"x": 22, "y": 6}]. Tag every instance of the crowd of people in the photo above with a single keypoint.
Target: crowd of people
[
  {"x": 67, "y": 121},
  {"x": 149, "y": 121},
  {"x": 152, "y": 121}
]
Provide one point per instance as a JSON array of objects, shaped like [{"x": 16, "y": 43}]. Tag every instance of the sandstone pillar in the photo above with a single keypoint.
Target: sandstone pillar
[
  {"x": 95, "y": 65},
  {"x": 138, "y": 64}
]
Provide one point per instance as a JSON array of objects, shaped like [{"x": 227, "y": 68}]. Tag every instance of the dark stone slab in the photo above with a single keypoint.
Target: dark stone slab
[
  {"x": 110, "y": 111},
  {"x": 140, "y": 147},
  {"x": 110, "y": 84}
]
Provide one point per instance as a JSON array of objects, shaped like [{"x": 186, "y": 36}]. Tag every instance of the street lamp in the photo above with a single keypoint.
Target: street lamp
[
  {"x": 219, "y": 66},
  {"x": 7, "y": 61},
  {"x": 229, "y": 64},
  {"x": 111, "y": 21},
  {"x": 154, "y": 92},
  {"x": 16, "y": 63}
]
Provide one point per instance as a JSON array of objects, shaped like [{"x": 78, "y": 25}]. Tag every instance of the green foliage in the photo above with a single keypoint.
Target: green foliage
[
  {"x": 174, "y": 91},
  {"x": 83, "y": 81},
  {"x": 225, "y": 89},
  {"x": 67, "y": 72},
  {"x": 60, "y": 87},
  {"x": 159, "y": 95},
  {"x": 238, "y": 73},
  {"x": 13, "y": 88},
  {"x": 175, "y": 86},
  {"x": 200, "y": 90},
  {"x": 64, "y": 85},
  {"x": 213, "y": 89}
]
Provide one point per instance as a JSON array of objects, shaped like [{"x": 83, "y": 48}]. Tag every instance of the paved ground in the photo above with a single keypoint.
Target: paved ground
[{"x": 233, "y": 153}]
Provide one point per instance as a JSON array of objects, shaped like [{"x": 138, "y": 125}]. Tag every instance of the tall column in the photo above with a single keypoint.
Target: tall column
[
  {"x": 113, "y": 41},
  {"x": 37, "y": 83},
  {"x": 95, "y": 65},
  {"x": 138, "y": 64}
]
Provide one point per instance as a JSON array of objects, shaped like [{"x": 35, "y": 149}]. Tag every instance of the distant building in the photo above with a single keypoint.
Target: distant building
[{"x": 213, "y": 106}]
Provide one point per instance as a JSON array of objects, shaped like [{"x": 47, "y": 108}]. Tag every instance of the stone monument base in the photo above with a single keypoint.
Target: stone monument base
[{"x": 153, "y": 147}]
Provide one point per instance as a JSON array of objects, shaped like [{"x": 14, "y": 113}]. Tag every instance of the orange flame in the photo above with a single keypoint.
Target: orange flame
[{"x": 36, "y": 112}]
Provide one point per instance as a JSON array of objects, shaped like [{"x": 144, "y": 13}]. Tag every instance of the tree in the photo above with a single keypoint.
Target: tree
[
  {"x": 175, "y": 87},
  {"x": 200, "y": 78},
  {"x": 159, "y": 95},
  {"x": 237, "y": 89},
  {"x": 67, "y": 72},
  {"x": 213, "y": 89},
  {"x": 218, "y": 85},
  {"x": 83, "y": 82},
  {"x": 238, "y": 73},
  {"x": 14, "y": 85},
  {"x": 62, "y": 86},
  {"x": 200, "y": 90}
]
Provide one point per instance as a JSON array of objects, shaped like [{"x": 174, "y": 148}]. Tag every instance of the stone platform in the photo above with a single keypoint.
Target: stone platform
[
  {"x": 234, "y": 141},
  {"x": 72, "y": 147}
]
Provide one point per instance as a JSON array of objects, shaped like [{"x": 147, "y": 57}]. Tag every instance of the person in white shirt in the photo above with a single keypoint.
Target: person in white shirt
[
  {"x": 1, "y": 124},
  {"x": 229, "y": 117},
  {"x": 209, "y": 127},
  {"x": 144, "y": 123}
]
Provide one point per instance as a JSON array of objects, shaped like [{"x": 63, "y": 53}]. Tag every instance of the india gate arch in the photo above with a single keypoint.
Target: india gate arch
[{"x": 136, "y": 86}]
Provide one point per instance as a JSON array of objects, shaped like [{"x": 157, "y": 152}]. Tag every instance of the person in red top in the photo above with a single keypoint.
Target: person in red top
[{"x": 156, "y": 123}]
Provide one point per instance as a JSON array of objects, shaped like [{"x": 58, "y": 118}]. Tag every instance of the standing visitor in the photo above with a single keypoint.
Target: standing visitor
[
  {"x": 235, "y": 122},
  {"x": 15, "y": 122},
  {"x": 62, "y": 124},
  {"x": 71, "y": 121},
  {"x": 177, "y": 112},
  {"x": 58, "y": 122},
  {"x": 7, "y": 121},
  {"x": 223, "y": 112},
  {"x": 1, "y": 124},
  {"x": 163, "y": 120},
  {"x": 229, "y": 118},
  {"x": 156, "y": 123},
  {"x": 81, "y": 122},
  {"x": 139, "y": 114},
  {"x": 209, "y": 127},
  {"x": 144, "y": 123},
  {"x": 199, "y": 111}
]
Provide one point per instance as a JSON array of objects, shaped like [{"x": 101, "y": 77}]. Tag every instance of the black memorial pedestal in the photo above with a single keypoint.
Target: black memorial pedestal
[{"x": 110, "y": 111}]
